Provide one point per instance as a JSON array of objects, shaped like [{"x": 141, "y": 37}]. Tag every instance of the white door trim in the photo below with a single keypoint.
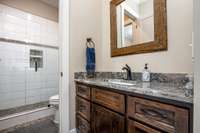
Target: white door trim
[
  {"x": 196, "y": 66},
  {"x": 64, "y": 64}
]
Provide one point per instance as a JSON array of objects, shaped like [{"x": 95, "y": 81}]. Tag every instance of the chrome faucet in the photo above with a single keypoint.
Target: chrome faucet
[{"x": 128, "y": 72}]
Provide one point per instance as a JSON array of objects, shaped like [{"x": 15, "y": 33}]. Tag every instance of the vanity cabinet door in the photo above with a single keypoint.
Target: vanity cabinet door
[
  {"x": 82, "y": 125},
  {"x": 83, "y": 108},
  {"x": 135, "y": 127},
  {"x": 106, "y": 121}
]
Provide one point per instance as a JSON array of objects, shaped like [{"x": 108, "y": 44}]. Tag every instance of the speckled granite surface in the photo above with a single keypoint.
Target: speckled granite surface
[
  {"x": 158, "y": 77},
  {"x": 167, "y": 86}
]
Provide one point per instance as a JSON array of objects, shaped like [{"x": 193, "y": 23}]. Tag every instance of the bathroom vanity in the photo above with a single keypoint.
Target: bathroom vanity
[
  {"x": 118, "y": 106},
  {"x": 107, "y": 107}
]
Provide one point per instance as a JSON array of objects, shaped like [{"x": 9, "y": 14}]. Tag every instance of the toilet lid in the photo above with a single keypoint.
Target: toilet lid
[{"x": 54, "y": 98}]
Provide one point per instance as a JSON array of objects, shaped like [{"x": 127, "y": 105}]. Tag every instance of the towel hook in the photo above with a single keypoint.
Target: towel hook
[{"x": 90, "y": 43}]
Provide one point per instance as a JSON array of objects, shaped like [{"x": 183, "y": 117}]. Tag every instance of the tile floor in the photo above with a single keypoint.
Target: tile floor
[{"x": 39, "y": 126}]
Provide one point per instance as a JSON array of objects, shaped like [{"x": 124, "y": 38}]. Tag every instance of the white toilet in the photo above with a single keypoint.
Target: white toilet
[{"x": 54, "y": 102}]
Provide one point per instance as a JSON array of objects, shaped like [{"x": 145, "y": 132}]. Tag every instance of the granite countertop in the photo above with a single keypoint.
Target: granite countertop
[{"x": 169, "y": 91}]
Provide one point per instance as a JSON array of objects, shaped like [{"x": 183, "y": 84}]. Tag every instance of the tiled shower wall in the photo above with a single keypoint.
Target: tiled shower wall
[
  {"x": 22, "y": 26},
  {"x": 22, "y": 85}
]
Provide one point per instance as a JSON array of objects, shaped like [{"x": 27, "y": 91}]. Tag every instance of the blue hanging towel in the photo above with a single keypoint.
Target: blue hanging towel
[{"x": 90, "y": 54}]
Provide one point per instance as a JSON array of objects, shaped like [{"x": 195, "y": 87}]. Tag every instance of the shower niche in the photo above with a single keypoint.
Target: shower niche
[{"x": 36, "y": 59}]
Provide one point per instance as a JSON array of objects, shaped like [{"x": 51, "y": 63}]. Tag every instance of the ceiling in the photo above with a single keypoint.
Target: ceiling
[{"x": 53, "y": 3}]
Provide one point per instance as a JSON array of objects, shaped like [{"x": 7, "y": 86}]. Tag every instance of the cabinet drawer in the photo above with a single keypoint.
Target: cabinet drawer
[
  {"x": 83, "y": 91},
  {"x": 83, "y": 108},
  {"x": 166, "y": 117},
  {"x": 82, "y": 125},
  {"x": 109, "y": 99},
  {"x": 136, "y": 127}
]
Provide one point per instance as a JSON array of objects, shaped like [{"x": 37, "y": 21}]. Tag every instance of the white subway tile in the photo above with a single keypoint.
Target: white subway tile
[
  {"x": 11, "y": 104},
  {"x": 10, "y": 88},
  {"x": 12, "y": 96},
  {"x": 32, "y": 100},
  {"x": 27, "y": 27},
  {"x": 20, "y": 84}
]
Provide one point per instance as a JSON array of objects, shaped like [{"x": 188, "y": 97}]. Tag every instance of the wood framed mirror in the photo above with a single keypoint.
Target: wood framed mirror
[{"x": 138, "y": 26}]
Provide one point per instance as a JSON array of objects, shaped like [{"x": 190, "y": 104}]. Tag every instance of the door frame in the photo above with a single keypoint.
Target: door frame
[
  {"x": 64, "y": 65},
  {"x": 196, "y": 18}
]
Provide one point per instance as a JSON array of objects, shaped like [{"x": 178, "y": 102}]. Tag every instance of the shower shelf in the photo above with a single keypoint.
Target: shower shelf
[{"x": 36, "y": 56}]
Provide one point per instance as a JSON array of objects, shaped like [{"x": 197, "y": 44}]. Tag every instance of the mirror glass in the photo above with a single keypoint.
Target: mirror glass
[{"x": 135, "y": 22}]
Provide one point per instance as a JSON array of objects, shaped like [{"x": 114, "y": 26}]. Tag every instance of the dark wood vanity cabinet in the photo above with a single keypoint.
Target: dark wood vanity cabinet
[
  {"x": 114, "y": 101},
  {"x": 82, "y": 125},
  {"x": 168, "y": 118},
  {"x": 83, "y": 108},
  {"x": 101, "y": 110},
  {"x": 106, "y": 121}
]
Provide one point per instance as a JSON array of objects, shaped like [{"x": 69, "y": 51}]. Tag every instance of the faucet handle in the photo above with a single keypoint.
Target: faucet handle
[{"x": 128, "y": 67}]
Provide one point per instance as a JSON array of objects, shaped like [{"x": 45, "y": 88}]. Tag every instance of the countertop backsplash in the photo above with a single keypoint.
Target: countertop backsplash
[{"x": 175, "y": 78}]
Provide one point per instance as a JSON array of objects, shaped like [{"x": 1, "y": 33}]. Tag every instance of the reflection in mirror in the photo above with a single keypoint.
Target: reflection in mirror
[{"x": 135, "y": 22}]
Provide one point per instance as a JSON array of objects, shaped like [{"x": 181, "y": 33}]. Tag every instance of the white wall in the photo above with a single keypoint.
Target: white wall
[
  {"x": 197, "y": 66},
  {"x": 178, "y": 57}
]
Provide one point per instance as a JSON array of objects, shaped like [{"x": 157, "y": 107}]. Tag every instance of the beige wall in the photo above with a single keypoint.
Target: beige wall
[
  {"x": 85, "y": 21},
  {"x": 178, "y": 57},
  {"x": 90, "y": 18},
  {"x": 35, "y": 7}
]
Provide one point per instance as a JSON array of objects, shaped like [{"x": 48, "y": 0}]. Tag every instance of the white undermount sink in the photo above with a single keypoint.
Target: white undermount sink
[{"x": 121, "y": 82}]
